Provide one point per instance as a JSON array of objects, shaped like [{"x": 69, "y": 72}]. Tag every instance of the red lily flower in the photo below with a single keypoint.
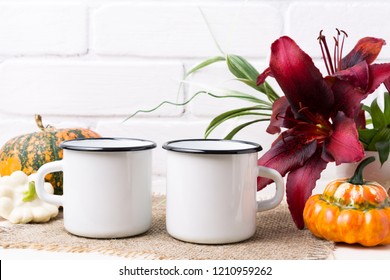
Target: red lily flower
[
  {"x": 318, "y": 113},
  {"x": 354, "y": 77}
]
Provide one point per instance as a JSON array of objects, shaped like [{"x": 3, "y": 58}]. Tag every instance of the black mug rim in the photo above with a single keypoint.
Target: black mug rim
[
  {"x": 170, "y": 147},
  {"x": 147, "y": 146}
]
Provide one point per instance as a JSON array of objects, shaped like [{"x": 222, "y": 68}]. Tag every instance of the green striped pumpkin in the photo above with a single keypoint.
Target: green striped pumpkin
[{"x": 30, "y": 151}]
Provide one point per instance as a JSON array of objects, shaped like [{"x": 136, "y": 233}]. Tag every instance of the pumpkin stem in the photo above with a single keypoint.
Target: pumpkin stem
[
  {"x": 30, "y": 194},
  {"x": 38, "y": 121},
  {"x": 357, "y": 178}
]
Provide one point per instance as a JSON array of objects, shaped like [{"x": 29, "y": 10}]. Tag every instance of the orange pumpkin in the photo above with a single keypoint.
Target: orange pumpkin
[
  {"x": 350, "y": 210},
  {"x": 30, "y": 151}
]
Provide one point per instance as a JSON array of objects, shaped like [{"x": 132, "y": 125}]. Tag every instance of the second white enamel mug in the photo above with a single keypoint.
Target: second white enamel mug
[{"x": 211, "y": 190}]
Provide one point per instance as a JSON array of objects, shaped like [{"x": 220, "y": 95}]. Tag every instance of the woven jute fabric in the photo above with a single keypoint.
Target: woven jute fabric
[{"x": 276, "y": 238}]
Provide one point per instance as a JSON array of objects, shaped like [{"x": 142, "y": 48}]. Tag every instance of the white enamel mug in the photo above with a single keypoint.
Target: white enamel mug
[
  {"x": 106, "y": 186},
  {"x": 211, "y": 190}
]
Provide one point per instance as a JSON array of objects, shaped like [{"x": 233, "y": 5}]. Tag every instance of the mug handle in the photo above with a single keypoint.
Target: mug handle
[
  {"x": 45, "y": 169},
  {"x": 274, "y": 175}
]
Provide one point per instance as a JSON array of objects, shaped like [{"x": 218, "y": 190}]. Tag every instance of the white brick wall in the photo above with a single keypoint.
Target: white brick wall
[
  {"x": 178, "y": 30},
  {"x": 358, "y": 19},
  {"x": 43, "y": 29},
  {"x": 93, "y": 62},
  {"x": 88, "y": 88}
]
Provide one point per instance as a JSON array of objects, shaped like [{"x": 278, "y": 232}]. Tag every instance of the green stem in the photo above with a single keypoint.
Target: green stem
[
  {"x": 170, "y": 103},
  {"x": 357, "y": 178},
  {"x": 30, "y": 194}
]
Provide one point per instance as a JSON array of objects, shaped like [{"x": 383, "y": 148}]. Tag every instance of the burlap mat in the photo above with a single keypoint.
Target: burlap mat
[{"x": 276, "y": 238}]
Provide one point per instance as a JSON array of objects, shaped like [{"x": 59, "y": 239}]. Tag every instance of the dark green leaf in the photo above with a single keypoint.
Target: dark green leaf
[
  {"x": 366, "y": 136},
  {"x": 387, "y": 108},
  {"x": 383, "y": 149},
  {"x": 381, "y": 136},
  {"x": 367, "y": 109},
  {"x": 377, "y": 116}
]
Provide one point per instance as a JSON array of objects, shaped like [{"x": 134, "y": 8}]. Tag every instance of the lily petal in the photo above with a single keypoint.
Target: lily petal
[
  {"x": 357, "y": 75},
  {"x": 301, "y": 82},
  {"x": 387, "y": 84},
  {"x": 343, "y": 145},
  {"x": 347, "y": 97},
  {"x": 261, "y": 78},
  {"x": 360, "y": 120},
  {"x": 379, "y": 73},
  {"x": 300, "y": 184},
  {"x": 353, "y": 85},
  {"x": 281, "y": 114},
  {"x": 366, "y": 49},
  {"x": 287, "y": 153}
]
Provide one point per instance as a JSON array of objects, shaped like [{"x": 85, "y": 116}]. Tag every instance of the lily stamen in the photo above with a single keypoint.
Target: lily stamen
[
  {"x": 326, "y": 54},
  {"x": 333, "y": 65},
  {"x": 336, "y": 57},
  {"x": 345, "y": 35},
  {"x": 310, "y": 116}
]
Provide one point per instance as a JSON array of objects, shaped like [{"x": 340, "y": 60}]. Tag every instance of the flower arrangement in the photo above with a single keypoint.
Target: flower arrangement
[{"x": 319, "y": 117}]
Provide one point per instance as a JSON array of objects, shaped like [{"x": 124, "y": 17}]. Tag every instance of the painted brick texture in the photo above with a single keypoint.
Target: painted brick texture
[
  {"x": 181, "y": 31},
  {"x": 43, "y": 29},
  {"x": 88, "y": 88}
]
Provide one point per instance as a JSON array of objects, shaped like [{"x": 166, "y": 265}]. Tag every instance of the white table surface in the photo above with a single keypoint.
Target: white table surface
[{"x": 342, "y": 251}]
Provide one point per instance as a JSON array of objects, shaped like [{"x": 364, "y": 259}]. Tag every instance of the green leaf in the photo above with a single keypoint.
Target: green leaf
[
  {"x": 241, "y": 68},
  {"x": 368, "y": 121},
  {"x": 234, "y": 114},
  {"x": 377, "y": 116},
  {"x": 213, "y": 127},
  {"x": 250, "y": 83},
  {"x": 240, "y": 127},
  {"x": 383, "y": 149},
  {"x": 366, "y": 136},
  {"x": 387, "y": 108},
  {"x": 264, "y": 88},
  {"x": 226, "y": 93},
  {"x": 367, "y": 109},
  {"x": 269, "y": 91},
  {"x": 246, "y": 73},
  {"x": 30, "y": 194},
  {"x": 205, "y": 64},
  {"x": 382, "y": 135}
]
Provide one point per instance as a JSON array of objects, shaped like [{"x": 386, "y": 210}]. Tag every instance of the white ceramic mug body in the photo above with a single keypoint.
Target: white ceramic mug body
[
  {"x": 211, "y": 190},
  {"x": 106, "y": 186}
]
